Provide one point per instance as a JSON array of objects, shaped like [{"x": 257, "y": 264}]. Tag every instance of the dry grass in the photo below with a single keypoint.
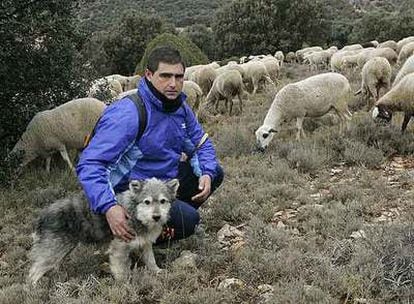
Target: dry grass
[{"x": 298, "y": 205}]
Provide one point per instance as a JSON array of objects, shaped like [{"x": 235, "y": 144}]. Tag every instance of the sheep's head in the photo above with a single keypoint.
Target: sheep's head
[
  {"x": 381, "y": 113},
  {"x": 263, "y": 137}
]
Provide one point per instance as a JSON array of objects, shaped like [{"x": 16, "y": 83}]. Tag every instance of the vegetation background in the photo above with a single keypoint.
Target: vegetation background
[{"x": 301, "y": 202}]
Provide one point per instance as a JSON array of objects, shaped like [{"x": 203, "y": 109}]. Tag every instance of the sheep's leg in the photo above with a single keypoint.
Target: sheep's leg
[
  {"x": 240, "y": 103},
  {"x": 407, "y": 117},
  {"x": 65, "y": 156},
  {"x": 299, "y": 124},
  {"x": 229, "y": 100},
  {"x": 48, "y": 160}
]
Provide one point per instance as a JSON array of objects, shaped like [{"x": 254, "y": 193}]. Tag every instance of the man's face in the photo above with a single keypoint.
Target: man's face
[{"x": 168, "y": 79}]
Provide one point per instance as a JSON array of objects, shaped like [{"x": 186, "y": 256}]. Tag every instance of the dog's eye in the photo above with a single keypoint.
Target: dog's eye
[
  {"x": 163, "y": 201},
  {"x": 147, "y": 202}
]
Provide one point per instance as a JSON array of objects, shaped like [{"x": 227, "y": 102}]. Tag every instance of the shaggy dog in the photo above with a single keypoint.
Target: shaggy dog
[{"x": 69, "y": 221}]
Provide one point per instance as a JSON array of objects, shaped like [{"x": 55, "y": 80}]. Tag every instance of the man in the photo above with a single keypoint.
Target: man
[{"x": 173, "y": 145}]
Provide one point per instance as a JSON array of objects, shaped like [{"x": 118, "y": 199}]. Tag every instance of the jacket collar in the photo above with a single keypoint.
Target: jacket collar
[{"x": 157, "y": 99}]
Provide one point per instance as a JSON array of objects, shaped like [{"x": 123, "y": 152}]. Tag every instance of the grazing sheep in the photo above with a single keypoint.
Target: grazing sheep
[
  {"x": 191, "y": 69},
  {"x": 399, "y": 99},
  {"x": 352, "y": 47},
  {"x": 337, "y": 58},
  {"x": 279, "y": 56},
  {"x": 272, "y": 67},
  {"x": 194, "y": 94},
  {"x": 255, "y": 71},
  {"x": 376, "y": 74},
  {"x": 402, "y": 42},
  {"x": 62, "y": 128},
  {"x": 311, "y": 97},
  {"x": 320, "y": 58},
  {"x": 387, "y": 53},
  {"x": 406, "y": 69},
  {"x": 300, "y": 53},
  {"x": 389, "y": 43},
  {"x": 406, "y": 51},
  {"x": 204, "y": 77},
  {"x": 226, "y": 86},
  {"x": 290, "y": 57}
]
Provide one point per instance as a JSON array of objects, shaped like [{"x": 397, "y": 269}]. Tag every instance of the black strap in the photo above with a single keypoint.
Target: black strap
[{"x": 142, "y": 112}]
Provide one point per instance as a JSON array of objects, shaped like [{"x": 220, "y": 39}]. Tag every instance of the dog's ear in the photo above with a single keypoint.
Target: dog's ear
[
  {"x": 173, "y": 185},
  {"x": 135, "y": 185}
]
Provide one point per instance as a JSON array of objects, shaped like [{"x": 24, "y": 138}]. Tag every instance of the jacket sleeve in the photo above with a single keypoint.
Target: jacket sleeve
[
  {"x": 206, "y": 153},
  {"x": 115, "y": 131}
]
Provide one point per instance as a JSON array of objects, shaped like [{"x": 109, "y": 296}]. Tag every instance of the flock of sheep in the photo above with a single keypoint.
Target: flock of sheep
[{"x": 66, "y": 126}]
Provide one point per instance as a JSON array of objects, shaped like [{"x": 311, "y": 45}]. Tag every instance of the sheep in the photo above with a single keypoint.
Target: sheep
[
  {"x": 311, "y": 97},
  {"x": 376, "y": 74},
  {"x": 352, "y": 47},
  {"x": 226, "y": 86},
  {"x": 300, "y": 53},
  {"x": 255, "y": 72},
  {"x": 402, "y": 42},
  {"x": 290, "y": 57},
  {"x": 389, "y": 43},
  {"x": 406, "y": 51},
  {"x": 387, "y": 53},
  {"x": 204, "y": 77},
  {"x": 399, "y": 99},
  {"x": 272, "y": 67},
  {"x": 191, "y": 69},
  {"x": 194, "y": 94},
  {"x": 279, "y": 56},
  {"x": 407, "y": 68},
  {"x": 62, "y": 128},
  {"x": 320, "y": 58}
]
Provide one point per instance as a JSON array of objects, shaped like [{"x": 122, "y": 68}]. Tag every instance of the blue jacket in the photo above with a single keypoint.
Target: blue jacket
[{"x": 113, "y": 156}]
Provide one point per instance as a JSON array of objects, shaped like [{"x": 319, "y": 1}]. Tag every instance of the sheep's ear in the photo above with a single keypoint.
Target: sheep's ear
[
  {"x": 272, "y": 131},
  {"x": 173, "y": 185},
  {"x": 135, "y": 185},
  {"x": 375, "y": 112}
]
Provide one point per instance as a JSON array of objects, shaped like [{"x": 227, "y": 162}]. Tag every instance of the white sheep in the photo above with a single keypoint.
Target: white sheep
[
  {"x": 226, "y": 86},
  {"x": 376, "y": 75},
  {"x": 407, "y": 68},
  {"x": 194, "y": 94},
  {"x": 320, "y": 58},
  {"x": 300, "y": 53},
  {"x": 60, "y": 129},
  {"x": 406, "y": 51},
  {"x": 337, "y": 59},
  {"x": 389, "y": 43},
  {"x": 290, "y": 57},
  {"x": 272, "y": 67},
  {"x": 399, "y": 99},
  {"x": 311, "y": 97},
  {"x": 352, "y": 47},
  {"x": 279, "y": 56},
  {"x": 255, "y": 72},
  {"x": 204, "y": 76},
  {"x": 403, "y": 42},
  {"x": 387, "y": 53}
]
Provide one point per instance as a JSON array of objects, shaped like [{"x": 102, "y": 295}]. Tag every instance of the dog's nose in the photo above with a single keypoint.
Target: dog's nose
[{"x": 156, "y": 217}]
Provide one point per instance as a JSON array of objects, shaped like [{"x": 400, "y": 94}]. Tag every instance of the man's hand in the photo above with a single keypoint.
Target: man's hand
[
  {"x": 204, "y": 185},
  {"x": 117, "y": 220}
]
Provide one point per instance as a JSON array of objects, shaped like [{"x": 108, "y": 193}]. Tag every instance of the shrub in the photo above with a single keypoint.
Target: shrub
[{"x": 191, "y": 54}]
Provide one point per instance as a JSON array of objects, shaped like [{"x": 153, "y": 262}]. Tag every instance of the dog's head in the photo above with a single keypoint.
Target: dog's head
[{"x": 150, "y": 200}]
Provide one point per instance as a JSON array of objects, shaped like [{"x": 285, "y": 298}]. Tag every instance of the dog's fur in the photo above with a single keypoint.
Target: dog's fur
[{"x": 65, "y": 223}]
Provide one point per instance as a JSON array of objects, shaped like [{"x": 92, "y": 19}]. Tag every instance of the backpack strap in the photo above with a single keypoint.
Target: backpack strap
[{"x": 142, "y": 113}]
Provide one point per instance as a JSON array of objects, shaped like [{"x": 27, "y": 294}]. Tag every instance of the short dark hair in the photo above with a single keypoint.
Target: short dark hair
[{"x": 166, "y": 54}]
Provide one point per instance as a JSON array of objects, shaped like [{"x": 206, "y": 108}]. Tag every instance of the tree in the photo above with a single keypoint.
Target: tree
[
  {"x": 261, "y": 27},
  {"x": 117, "y": 50},
  {"x": 190, "y": 53},
  {"x": 202, "y": 36},
  {"x": 40, "y": 66}
]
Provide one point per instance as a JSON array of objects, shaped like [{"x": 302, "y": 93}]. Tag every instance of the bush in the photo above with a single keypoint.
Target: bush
[{"x": 190, "y": 53}]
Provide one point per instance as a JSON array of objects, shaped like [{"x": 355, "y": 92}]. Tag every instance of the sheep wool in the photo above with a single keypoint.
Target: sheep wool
[
  {"x": 59, "y": 129},
  {"x": 406, "y": 69},
  {"x": 311, "y": 97}
]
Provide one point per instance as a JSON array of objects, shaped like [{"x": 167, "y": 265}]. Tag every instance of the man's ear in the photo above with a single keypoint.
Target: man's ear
[{"x": 148, "y": 74}]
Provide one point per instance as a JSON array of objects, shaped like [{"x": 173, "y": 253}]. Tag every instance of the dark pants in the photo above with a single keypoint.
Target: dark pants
[{"x": 184, "y": 216}]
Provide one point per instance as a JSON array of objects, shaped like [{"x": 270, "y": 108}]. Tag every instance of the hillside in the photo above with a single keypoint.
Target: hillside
[{"x": 100, "y": 14}]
